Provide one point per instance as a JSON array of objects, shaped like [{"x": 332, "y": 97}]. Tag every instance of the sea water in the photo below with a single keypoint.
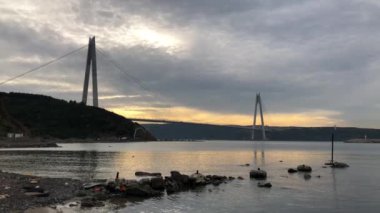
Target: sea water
[{"x": 353, "y": 189}]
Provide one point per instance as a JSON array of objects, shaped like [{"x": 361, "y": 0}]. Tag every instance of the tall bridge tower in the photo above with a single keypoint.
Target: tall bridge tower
[
  {"x": 258, "y": 102},
  {"x": 91, "y": 62}
]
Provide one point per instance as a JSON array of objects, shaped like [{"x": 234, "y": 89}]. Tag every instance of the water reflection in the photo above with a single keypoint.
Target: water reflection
[
  {"x": 258, "y": 153},
  {"x": 333, "y": 192},
  {"x": 88, "y": 163}
]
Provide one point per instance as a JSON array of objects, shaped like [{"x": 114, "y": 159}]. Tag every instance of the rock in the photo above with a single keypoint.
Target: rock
[
  {"x": 37, "y": 194},
  {"x": 291, "y": 170},
  {"x": 139, "y": 173},
  {"x": 306, "y": 176},
  {"x": 157, "y": 183},
  {"x": 3, "y": 196},
  {"x": 72, "y": 204},
  {"x": 264, "y": 185},
  {"x": 33, "y": 189},
  {"x": 139, "y": 190},
  {"x": 144, "y": 181},
  {"x": 198, "y": 179},
  {"x": 92, "y": 185},
  {"x": 183, "y": 180},
  {"x": 247, "y": 164},
  {"x": 216, "y": 182},
  {"x": 258, "y": 174},
  {"x": 304, "y": 168},
  {"x": 339, "y": 165},
  {"x": 33, "y": 181},
  {"x": 231, "y": 178},
  {"x": 240, "y": 178},
  {"x": 171, "y": 185}
]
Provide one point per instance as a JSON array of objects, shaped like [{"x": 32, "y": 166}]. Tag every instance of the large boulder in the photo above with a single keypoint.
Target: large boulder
[
  {"x": 304, "y": 168},
  {"x": 183, "y": 180},
  {"x": 140, "y": 190},
  {"x": 157, "y": 183},
  {"x": 171, "y": 185},
  {"x": 198, "y": 179},
  {"x": 144, "y": 181},
  {"x": 258, "y": 174}
]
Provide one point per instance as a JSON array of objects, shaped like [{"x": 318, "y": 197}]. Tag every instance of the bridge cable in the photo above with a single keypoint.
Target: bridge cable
[
  {"x": 118, "y": 67},
  {"x": 129, "y": 76},
  {"x": 41, "y": 66}
]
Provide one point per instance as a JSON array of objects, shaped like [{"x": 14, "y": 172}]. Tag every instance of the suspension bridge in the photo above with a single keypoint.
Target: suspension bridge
[{"x": 91, "y": 68}]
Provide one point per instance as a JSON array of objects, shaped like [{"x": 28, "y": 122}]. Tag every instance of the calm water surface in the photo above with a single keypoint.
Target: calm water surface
[{"x": 338, "y": 190}]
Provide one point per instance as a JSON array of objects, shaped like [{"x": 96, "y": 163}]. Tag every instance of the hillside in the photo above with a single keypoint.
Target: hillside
[
  {"x": 184, "y": 131},
  {"x": 38, "y": 116}
]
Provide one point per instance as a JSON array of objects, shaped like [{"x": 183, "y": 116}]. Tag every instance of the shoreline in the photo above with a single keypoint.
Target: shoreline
[
  {"x": 35, "y": 143},
  {"x": 13, "y": 197},
  {"x": 370, "y": 141},
  {"x": 27, "y": 193},
  {"x": 26, "y": 144}
]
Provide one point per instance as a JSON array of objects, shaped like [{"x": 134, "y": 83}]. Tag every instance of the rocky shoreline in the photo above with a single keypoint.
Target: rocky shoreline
[
  {"x": 22, "y": 192},
  {"x": 14, "y": 188}
]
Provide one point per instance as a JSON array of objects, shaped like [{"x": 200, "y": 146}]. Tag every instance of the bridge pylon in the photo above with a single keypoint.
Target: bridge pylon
[
  {"x": 91, "y": 62},
  {"x": 259, "y": 103}
]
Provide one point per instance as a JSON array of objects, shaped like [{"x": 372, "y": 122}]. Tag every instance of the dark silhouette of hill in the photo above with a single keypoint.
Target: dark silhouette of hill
[
  {"x": 184, "y": 131},
  {"x": 39, "y": 116}
]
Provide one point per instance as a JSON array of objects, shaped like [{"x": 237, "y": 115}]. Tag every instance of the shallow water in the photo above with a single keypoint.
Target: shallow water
[{"x": 338, "y": 190}]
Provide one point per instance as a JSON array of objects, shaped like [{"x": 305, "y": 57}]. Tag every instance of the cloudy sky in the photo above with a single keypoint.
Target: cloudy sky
[{"x": 316, "y": 63}]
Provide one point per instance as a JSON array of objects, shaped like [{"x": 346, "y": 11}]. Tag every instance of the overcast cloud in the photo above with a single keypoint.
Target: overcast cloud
[{"x": 311, "y": 60}]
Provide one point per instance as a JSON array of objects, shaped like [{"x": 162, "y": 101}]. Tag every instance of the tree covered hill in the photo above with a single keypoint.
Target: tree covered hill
[
  {"x": 188, "y": 131},
  {"x": 39, "y": 116}
]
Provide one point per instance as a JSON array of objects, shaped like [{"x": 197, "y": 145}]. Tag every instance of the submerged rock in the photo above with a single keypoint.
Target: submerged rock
[
  {"x": 264, "y": 185},
  {"x": 306, "y": 176},
  {"x": 258, "y": 174},
  {"x": 304, "y": 168},
  {"x": 339, "y": 165}
]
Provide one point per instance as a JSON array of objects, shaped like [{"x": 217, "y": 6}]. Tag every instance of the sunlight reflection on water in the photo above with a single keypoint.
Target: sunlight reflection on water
[{"x": 348, "y": 190}]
